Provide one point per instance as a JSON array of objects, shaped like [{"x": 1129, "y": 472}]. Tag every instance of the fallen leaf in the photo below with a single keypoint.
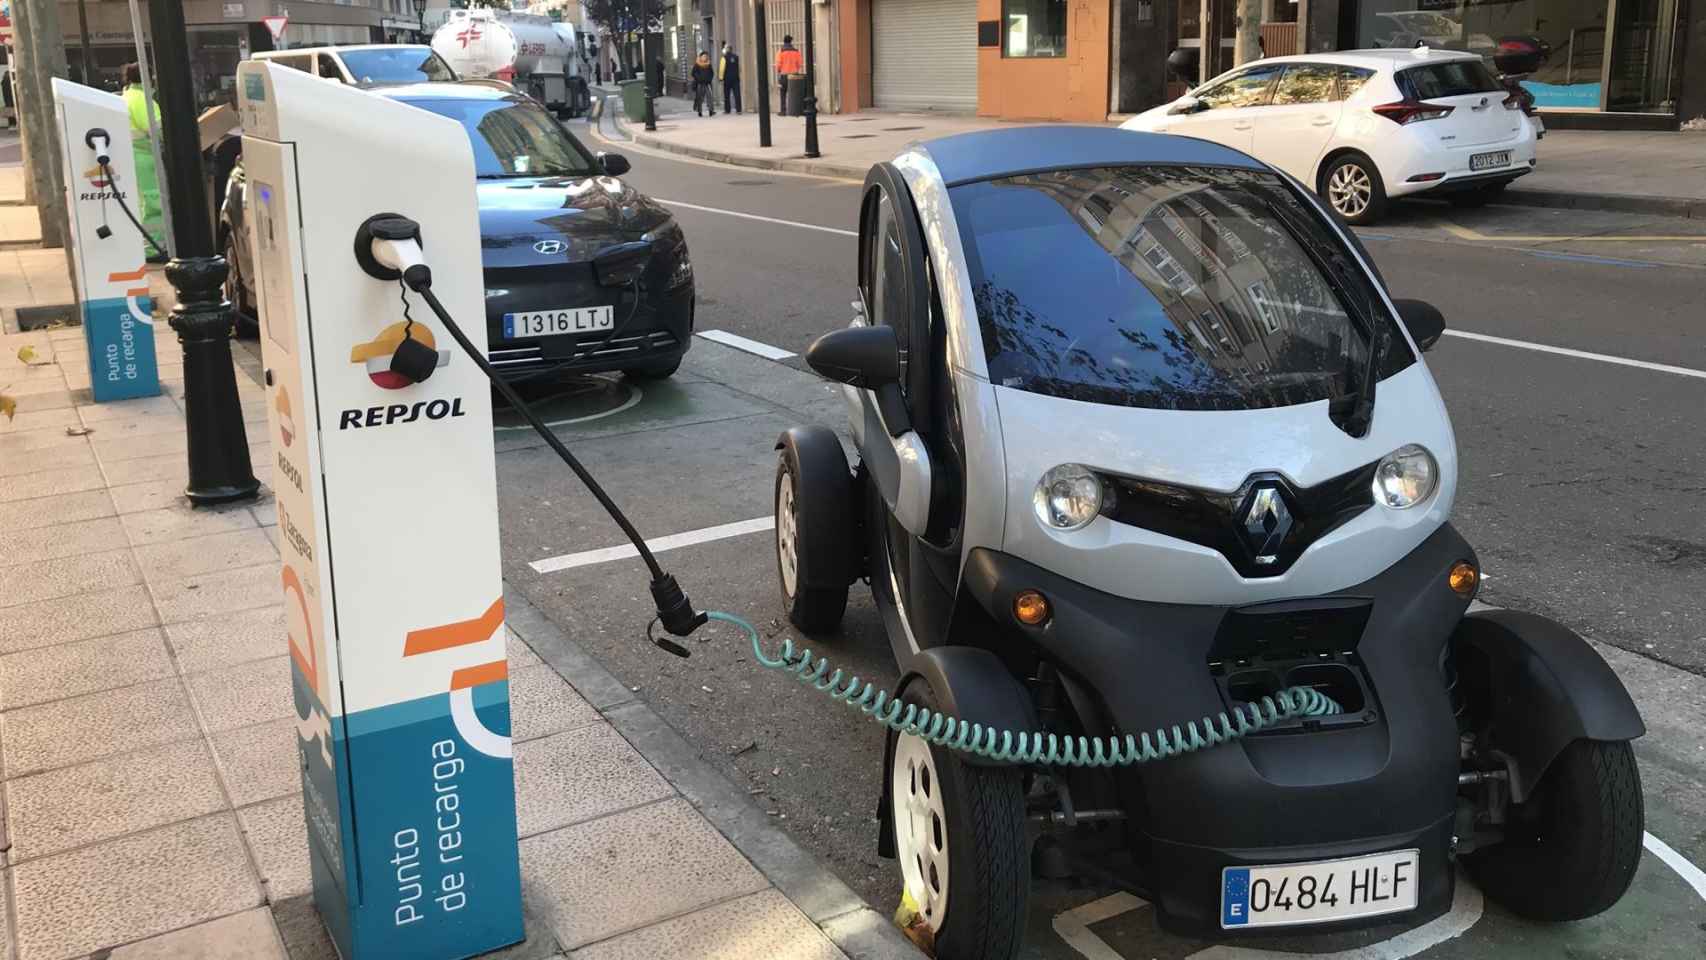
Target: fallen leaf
[
  {"x": 8, "y": 406},
  {"x": 27, "y": 354}
]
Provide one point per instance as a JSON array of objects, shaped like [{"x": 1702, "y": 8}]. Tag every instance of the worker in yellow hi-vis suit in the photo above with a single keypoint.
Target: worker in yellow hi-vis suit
[{"x": 147, "y": 180}]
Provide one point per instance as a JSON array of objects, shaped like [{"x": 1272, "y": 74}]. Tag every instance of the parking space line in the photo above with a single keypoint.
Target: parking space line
[
  {"x": 1579, "y": 354},
  {"x": 739, "y": 342},
  {"x": 1464, "y": 233},
  {"x": 1073, "y": 926},
  {"x": 674, "y": 541},
  {"x": 760, "y": 219},
  {"x": 1690, "y": 874}
]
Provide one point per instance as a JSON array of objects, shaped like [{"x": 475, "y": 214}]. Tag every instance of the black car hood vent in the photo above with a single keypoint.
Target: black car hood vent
[{"x": 1261, "y": 528}]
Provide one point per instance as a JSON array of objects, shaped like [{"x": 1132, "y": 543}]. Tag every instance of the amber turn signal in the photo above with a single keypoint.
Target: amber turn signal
[
  {"x": 1030, "y": 607},
  {"x": 1464, "y": 578}
]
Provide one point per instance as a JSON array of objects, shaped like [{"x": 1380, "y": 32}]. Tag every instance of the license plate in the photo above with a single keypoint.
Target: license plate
[
  {"x": 1318, "y": 892},
  {"x": 1489, "y": 161},
  {"x": 552, "y": 323}
]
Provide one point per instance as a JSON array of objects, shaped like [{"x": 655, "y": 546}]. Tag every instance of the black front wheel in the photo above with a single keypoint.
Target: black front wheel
[
  {"x": 247, "y": 324},
  {"x": 1571, "y": 850}
]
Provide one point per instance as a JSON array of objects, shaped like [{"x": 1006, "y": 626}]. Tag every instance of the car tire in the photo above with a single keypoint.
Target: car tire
[
  {"x": 811, "y": 516},
  {"x": 247, "y": 323},
  {"x": 960, "y": 837},
  {"x": 1351, "y": 185},
  {"x": 1570, "y": 851},
  {"x": 660, "y": 371}
]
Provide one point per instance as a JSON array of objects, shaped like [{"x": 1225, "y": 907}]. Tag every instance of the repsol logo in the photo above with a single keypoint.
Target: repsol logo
[
  {"x": 387, "y": 414},
  {"x": 102, "y": 195}
]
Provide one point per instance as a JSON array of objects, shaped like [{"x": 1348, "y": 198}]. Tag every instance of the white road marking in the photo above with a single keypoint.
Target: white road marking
[
  {"x": 761, "y": 219},
  {"x": 634, "y": 397},
  {"x": 672, "y": 542},
  {"x": 1073, "y": 926},
  {"x": 739, "y": 342},
  {"x": 1690, "y": 874},
  {"x": 1579, "y": 354}
]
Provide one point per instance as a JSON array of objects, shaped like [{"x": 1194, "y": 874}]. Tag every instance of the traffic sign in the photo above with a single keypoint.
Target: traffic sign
[{"x": 275, "y": 26}]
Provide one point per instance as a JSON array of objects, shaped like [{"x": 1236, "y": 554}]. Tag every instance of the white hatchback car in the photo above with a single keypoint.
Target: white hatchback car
[{"x": 1363, "y": 126}]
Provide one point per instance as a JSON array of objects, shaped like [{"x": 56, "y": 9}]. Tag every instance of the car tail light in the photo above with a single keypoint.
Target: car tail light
[
  {"x": 1513, "y": 102},
  {"x": 1411, "y": 111}
]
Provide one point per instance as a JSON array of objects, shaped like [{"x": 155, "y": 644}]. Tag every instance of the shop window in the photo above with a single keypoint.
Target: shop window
[
  {"x": 1035, "y": 28},
  {"x": 1305, "y": 83}
]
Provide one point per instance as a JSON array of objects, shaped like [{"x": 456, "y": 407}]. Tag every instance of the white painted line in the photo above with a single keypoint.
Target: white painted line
[
  {"x": 739, "y": 342},
  {"x": 1073, "y": 926},
  {"x": 1579, "y": 354},
  {"x": 1690, "y": 874},
  {"x": 672, "y": 542},
  {"x": 760, "y": 219}
]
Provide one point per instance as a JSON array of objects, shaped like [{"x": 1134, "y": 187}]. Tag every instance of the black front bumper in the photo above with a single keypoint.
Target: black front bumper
[
  {"x": 1383, "y": 778},
  {"x": 654, "y": 336}
]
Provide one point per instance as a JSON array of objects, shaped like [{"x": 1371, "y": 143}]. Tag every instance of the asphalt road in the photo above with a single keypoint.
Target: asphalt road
[{"x": 1579, "y": 485}]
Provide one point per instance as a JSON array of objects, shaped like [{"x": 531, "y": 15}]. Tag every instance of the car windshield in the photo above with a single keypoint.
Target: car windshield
[
  {"x": 396, "y": 65},
  {"x": 514, "y": 138},
  {"x": 1177, "y": 288}
]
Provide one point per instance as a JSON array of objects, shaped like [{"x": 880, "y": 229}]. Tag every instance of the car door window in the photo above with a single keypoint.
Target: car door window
[
  {"x": 305, "y": 63},
  {"x": 329, "y": 68},
  {"x": 1305, "y": 83},
  {"x": 1351, "y": 80},
  {"x": 1247, "y": 89}
]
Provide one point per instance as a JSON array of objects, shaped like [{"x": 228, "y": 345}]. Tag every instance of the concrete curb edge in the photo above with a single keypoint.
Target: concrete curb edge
[
  {"x": 816, "y": 168},
  {"x": 851, "y": 924}
]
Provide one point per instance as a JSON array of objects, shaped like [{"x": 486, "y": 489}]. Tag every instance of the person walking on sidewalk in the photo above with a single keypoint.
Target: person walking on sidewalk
[
  {"x": 788, "y": 61},
  {"x": 702, "y": 77},
  {"x": 147, "y": 189},
  {"x": 728, "y": 69}
]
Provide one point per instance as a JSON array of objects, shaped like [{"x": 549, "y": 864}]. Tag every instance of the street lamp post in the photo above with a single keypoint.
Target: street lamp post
[
  {"x": 762, "y": 68},
  {"x": 810, "y": 103},
  {"x": 646, "y": 64},
  {"x": 218, "y": 445}
]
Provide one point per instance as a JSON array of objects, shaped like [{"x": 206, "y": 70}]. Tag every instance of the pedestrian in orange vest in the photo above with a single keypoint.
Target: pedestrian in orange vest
[{"x": 788, "y": 61}]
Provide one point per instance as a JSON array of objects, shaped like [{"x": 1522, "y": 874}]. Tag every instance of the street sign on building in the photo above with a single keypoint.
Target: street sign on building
[{"x": 275, "y": 26}]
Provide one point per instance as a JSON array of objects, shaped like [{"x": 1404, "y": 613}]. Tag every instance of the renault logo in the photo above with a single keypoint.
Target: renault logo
[
  {"x": 1265, "y": 522},
  {"x": 549, "y": 247}
]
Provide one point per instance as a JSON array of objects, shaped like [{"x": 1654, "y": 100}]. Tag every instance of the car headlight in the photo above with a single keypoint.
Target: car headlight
[
  {"x": 1068, "y": 497},
  {"x": 683, "y": 272},
  {"x": 1405, "y": 477}
]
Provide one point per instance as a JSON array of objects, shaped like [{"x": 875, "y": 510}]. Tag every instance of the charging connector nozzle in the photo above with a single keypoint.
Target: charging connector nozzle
[{"x": 675, "y": 611}]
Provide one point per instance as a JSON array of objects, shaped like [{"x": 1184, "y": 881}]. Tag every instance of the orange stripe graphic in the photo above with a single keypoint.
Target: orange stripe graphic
[
  {"x": 136, "y": 274},
  {"x": 475, "y": 676},
  {"x": 462, "y": 633}
]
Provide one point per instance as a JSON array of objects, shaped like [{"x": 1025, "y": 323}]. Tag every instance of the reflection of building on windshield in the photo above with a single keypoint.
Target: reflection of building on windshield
[{"x": 1205, "y": 257}]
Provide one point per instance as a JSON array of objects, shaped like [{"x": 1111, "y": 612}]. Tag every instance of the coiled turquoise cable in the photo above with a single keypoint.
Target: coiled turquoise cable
[{"x": 1006, "y": 746}]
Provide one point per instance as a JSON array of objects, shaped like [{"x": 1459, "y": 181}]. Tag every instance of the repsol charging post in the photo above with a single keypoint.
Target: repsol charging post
[
  {"x": 387, "y": 510},
  {"x": 107, "y": 244}
]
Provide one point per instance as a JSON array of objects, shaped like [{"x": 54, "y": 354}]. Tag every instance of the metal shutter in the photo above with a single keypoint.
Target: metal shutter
[{"x": 924, "y": 54}]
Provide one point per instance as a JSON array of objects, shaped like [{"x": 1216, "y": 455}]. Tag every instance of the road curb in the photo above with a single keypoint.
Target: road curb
[
  {"x": 816, "y": 168},
  {"x": 846, "y": 919},
  {"x": 1685, "y": 207}
]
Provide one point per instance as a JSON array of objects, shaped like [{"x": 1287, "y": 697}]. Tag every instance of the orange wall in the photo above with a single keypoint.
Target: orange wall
[
  {"x": 855, "y": 28},
  {"x": 1073, "y": 87}
]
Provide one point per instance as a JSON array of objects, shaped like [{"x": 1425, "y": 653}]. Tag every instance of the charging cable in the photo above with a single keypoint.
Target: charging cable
[
  {"x": 103, "y": 159},
  {"x": 393, "y": 246}
]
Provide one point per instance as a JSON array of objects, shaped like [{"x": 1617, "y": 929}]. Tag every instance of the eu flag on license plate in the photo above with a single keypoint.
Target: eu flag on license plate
[{"x": 1234, "y": 897}]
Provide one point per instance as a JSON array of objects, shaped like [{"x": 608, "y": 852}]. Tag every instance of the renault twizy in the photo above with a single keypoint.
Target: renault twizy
[{"x": 1143, "y": 439}]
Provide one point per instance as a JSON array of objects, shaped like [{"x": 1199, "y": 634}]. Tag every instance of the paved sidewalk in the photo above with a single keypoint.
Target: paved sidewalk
[
  {"x": 1630, "y": 171},
  {"x": 152, "y": 798}
]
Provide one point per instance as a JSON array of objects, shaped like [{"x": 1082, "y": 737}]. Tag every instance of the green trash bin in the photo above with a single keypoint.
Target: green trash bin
[{"x": 634, "y": 99}]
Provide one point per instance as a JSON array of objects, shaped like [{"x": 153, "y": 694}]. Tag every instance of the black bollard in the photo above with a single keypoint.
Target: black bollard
[
  {"x": 654, "y": 78},
  {"x": 218, "y": 445},
  {"x": 810, "y": 102},
  {"x": 763, "y": 74}
]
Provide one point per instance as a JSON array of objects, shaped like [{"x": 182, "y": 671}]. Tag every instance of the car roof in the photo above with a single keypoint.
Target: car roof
[
  {"x": 444, "y": 90},
  {"x": 1378, "y": 58},
  {"x": 336, "y": 48},
  {"x": 1008, "y": 151}
]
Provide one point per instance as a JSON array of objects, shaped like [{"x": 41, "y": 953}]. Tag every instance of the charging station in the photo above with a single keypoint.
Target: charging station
[
  {"x": 107, "y": 249},
  {"x": 387, "y": 510}
]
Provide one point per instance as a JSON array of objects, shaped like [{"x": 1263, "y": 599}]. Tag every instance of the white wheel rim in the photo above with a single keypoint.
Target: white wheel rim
[
  {"x": 920, "y": 828},
  {"x": 1349, "y": 189},
  {"x": 787, "y": 542}
]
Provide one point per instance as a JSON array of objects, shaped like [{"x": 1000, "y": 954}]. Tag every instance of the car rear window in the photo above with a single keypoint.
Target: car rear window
[
  {"x": 1176, "y": 288},
  {"x": 1453, "y": 78}
]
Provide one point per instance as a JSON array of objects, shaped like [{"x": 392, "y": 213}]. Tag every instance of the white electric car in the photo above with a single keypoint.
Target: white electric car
[
  {"x": 1122, "y": 467},
  {"x": 1364, "y": 126}
]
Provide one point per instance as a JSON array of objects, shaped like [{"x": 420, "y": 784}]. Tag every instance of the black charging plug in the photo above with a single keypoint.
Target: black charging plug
[
  {"x": 675, "y": 611},
  {"x": 414, "y": 360}
]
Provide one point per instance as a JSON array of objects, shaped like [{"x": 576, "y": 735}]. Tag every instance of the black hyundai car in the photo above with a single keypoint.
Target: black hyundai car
[{"x": 548, "y": 208}]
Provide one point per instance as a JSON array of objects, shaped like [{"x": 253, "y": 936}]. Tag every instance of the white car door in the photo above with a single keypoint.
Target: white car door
[
  {"x": 1227, "y": 109},
  {"x": 1294, "y": 130}
]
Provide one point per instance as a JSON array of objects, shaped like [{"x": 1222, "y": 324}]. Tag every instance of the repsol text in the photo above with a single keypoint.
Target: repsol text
[{"x": 387, "y": 414}]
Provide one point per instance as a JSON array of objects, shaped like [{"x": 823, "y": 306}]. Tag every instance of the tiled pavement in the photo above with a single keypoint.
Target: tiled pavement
[{"x": 151, "y": 791}]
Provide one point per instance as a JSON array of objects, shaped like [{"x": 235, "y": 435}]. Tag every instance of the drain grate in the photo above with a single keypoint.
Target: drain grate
[
  {"x": 858, "y": 136},
  {"x": 41, "y": 318},
  {"x": 899, "y": 129},
  {"x": 750, "y": 183}
]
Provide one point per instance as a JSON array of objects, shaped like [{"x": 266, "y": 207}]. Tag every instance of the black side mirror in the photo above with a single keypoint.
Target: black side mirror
[
  {"x": 1423, "y": 320},
  {"x": 865, "y": 357},
  {"x": 614, "y": 164}
]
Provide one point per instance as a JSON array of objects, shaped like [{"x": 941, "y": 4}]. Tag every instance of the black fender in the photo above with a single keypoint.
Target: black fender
[
  {"x": 1542, "y": 686},
  {"x": 824, "y": 471},
  {"x": 967, "y": 683}
]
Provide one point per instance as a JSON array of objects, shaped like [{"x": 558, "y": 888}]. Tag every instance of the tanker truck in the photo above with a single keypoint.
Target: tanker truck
[{"x": 533, "y": 54}]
